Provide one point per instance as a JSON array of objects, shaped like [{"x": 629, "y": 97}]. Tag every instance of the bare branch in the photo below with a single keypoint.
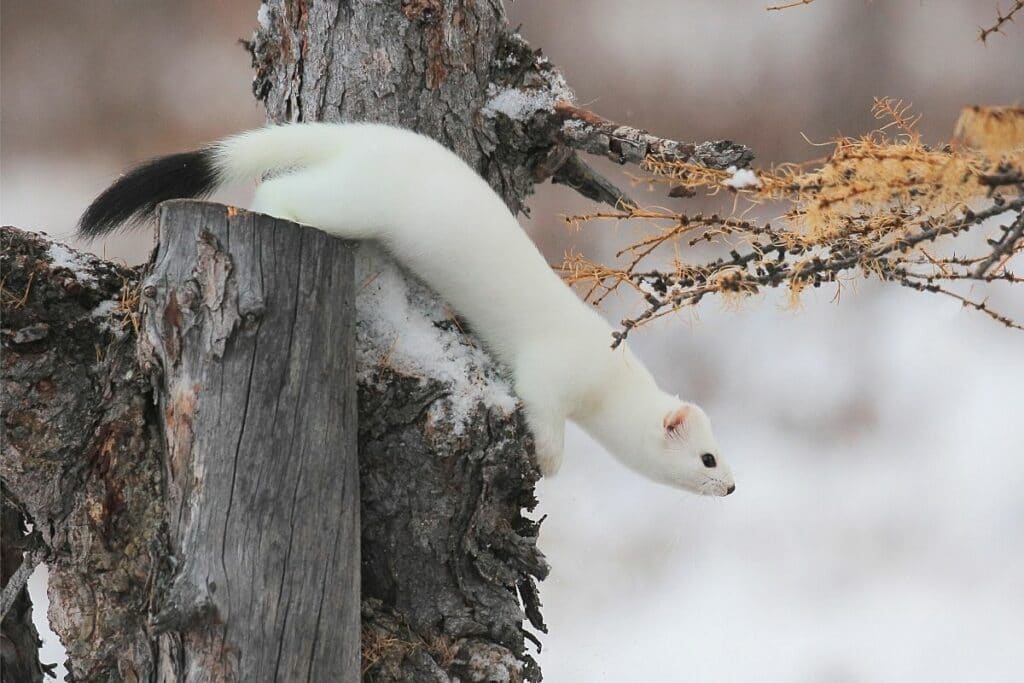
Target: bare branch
[
  {"x": 774, "y": 260},
  {"x": 1004, "y": 247},
  {"x": 588, "y": 132},
  {"x": 794, "y": 3},
  {"x": 1001, "y": 20},
  {"x": 578, "y": 175},
  {"x": 983, "y": 33},
  {"x": 20, "y": 578}
]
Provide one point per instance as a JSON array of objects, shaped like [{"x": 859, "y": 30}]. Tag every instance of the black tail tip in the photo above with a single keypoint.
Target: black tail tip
[{"x": 135, "y": 195}]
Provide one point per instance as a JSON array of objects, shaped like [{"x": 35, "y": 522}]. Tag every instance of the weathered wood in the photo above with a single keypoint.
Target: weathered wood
[
  {"x": 248, "y": 330},
  {"x": 272, "y": 585}
]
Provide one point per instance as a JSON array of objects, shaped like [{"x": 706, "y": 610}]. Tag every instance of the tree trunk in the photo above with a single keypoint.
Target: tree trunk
[{"x": 82, "y": 456}]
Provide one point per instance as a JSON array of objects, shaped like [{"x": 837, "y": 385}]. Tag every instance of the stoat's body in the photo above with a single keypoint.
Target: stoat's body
[{"x": 445, "y": 224}]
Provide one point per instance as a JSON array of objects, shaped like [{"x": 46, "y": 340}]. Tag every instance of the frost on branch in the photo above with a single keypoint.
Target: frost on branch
[{"x": 884, "y": 205}]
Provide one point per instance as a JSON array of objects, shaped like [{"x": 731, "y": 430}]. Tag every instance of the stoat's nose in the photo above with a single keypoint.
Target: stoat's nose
[{"x": 732, "y": 487}]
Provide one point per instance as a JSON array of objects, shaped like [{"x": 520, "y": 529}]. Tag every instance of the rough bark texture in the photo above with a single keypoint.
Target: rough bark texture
[
  {"x": 248, "y": 329},
  {"x": 449, "y": 560},
  {"x": 429, "y": 65},
  {"x": 81, "y": 453},
  {"x": 586, "y": 131},
  {"x": 445, "y": 546},
  {"x": 241, "y": 564}
]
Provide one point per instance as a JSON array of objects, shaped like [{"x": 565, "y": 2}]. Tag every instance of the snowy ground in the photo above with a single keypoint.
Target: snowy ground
[{"x": 876, "y": 531}]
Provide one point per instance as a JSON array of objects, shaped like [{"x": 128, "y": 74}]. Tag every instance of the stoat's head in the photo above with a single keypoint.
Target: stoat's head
[{"x": 686, "y": 454}]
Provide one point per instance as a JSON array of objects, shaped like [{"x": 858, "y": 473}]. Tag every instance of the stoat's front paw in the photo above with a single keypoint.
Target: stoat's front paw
[
  {"x": 549, "y": 456},
  {"x": 548, "y": 443},
  {"x": 545, "y": 420}
]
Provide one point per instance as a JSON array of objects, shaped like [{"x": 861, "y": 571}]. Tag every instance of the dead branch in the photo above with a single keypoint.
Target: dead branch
[
  {"x": 1001, "y": 20},
  {"x": 588, "y": 132},
  {"x": 983, "y": 32},
  {"x": 794, "y": 3},
  {"x": 1003, "y": 248}
]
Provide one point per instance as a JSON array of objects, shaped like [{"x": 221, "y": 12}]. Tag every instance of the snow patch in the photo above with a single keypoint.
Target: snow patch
[
  {"x": 575, "y": 125},
  {"x": 263, "y": 17},
  {"x": 742, "y": 179},
  {"x": 104, "y": 314},
  {"x": 666, "y": 296},
  {"x": 402, "y": 325},
  {"x": 521, "y": 103},
  {"x": 499, "y": 667},
  {"x": 104, "y": 309},
  {"x": 517, "y": 104},
  {"x": 62, "y": 257}
]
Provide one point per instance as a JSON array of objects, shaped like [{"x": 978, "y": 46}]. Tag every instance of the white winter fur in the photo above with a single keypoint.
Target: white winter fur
[{"x": 446, "y": 225}]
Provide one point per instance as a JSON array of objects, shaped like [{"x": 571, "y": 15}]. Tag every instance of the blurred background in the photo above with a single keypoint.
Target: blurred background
[{"x": 877, "y": 531}]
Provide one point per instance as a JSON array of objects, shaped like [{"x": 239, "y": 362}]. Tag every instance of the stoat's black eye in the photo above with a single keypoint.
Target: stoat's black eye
[{"x": 708, "y": 460}]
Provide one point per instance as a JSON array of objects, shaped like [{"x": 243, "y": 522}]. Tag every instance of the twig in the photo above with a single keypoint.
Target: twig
[
  {"x": 1011, "y": 177},
  {"x": 20, "y": 577},
  {"x": 980, "y": 306},
  {"x": 867, "y": 209},
  {"x": 795, "y": 3},
  {"x": 984, "y": 33},
  {"x": 578, "y": 175},
  {"x": 1006, "y": 245},
  {"x": 734, "y": 276}
]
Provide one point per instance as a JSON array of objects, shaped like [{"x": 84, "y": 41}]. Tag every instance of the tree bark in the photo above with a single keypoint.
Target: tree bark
[
  {"x": 126, "y": 484},
  {"x": 242, "y": 562},
  {"x": 247, "y": 329},
  {"x": 445, "y": 545},
  {"x": 81, "y": 451}
]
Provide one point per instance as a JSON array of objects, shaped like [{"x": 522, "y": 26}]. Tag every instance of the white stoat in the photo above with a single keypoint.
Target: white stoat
[{"x": 446, "y": 225}]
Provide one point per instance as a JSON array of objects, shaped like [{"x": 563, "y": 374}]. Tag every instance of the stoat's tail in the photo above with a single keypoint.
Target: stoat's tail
[{"x": 244, "y": 157}]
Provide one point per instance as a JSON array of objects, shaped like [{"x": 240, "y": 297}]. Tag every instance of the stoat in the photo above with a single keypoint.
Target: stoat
[{"x": 446, "y": 225}]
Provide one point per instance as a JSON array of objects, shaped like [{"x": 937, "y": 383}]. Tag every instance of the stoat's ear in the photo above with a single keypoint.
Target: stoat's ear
[{"x": 675, "y": 421}]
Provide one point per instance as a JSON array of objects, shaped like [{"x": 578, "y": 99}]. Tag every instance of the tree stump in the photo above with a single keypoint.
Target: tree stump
[{"x": 248, "y": 333}]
